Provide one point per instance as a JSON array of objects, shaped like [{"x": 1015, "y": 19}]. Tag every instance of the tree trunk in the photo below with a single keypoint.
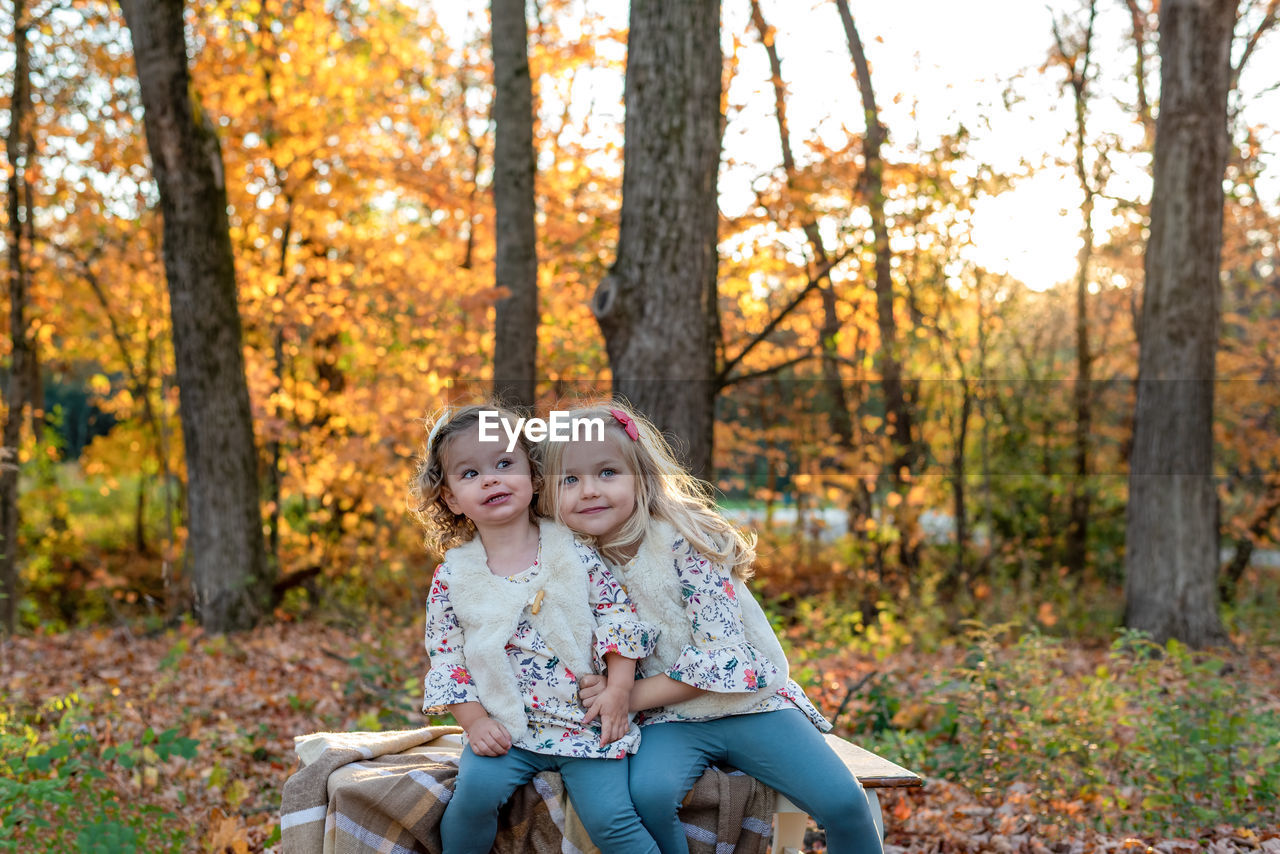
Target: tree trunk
[
  {"x": 959, "y": 497},
  {"x": 474, "y": 145},
  {"x": 836, "y": 401},
  {"x": 224, "y": 544},
  {"x": 516, "y": 269},
  {"x": 1077, "y": 58},
  {"x": 1171, "y": 540},
  {"x": 657, "y": 305},
  {"x": 275, "y": 447},
  {"x": 899, "y": 422},
  {"x": 1138, "y": 21},
  {"x": 20, "y": 151},
  {"x": 140, "y": 517},
  {"x": 984, "y": 439}
]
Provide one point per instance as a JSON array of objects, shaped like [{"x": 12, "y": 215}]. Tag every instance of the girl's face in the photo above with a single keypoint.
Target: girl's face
[
  {"x": 597, "y": 493},
  {"x": 484, "y": 482}
]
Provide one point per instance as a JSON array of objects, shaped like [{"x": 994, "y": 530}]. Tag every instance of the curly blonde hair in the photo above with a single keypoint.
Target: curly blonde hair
[
  {"x": 444, "y": 528},
  {"x": 664, "y": 490}
]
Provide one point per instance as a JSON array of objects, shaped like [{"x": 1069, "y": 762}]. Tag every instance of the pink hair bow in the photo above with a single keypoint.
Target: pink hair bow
[{"x": 628, "y": 424}]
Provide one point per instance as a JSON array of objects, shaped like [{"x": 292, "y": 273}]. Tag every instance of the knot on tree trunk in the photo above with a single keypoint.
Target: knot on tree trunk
[{"x": 606, "y": 298}]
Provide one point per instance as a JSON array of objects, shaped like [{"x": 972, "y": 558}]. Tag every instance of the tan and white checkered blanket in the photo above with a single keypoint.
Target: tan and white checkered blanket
[{"x": 367, "y": 792}]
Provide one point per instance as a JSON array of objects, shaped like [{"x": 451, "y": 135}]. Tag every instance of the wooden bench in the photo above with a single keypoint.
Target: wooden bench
[
  {"x": 789, "y": 821},
  {"x": 308, "y": 810},
  {"x": 873, "y": 772}
]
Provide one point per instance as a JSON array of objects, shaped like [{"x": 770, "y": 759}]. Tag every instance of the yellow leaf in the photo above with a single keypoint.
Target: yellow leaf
[
  {"x": 236, "y": 792},
  {"x": 225, "y": 833}
]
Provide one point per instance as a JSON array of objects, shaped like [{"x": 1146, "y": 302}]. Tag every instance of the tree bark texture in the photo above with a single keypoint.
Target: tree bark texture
[
  {"x": 1077, "y": 58},
  {"x": 836, "y": 402},
  {"x": 657, "y": 305},
  {"x": 19, "y": 150},
  {"x": 516, "y": 326},
  {"x": 960, "y": 506},
  {"x": 225, "y": 551},
  {"x": 899, "y": 422},
  {"x": 1171, "y": 540},
  {"x": 899, "y": 415},
  {"x": 1138, "y": 20}
]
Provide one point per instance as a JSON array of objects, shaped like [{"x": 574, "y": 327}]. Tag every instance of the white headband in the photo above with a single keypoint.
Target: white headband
[{"x": 445, "y": 417}]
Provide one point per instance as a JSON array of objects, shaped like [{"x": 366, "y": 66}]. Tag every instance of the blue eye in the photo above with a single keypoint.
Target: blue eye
[
  {"x": 570, "y": 480},
  {"x": 502, "y": 464},
  {"x": 608, "y": 472},
  {"x": 468, "y": 474}
]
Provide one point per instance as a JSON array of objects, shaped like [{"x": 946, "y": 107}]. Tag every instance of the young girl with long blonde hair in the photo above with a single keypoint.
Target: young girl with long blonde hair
[
  {"x": 519, "y": 612},
  {"x": 716, "y": 688}
]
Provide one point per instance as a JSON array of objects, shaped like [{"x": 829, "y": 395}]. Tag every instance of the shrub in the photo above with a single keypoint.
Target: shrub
[
  {"x": 60, "y": 792},
  {"x": 1207, "y": 747},
  {"x": 1154, "y": 738}
]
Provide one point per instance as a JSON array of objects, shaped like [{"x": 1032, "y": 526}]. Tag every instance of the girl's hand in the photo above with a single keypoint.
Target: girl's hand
[
  {"x": 590, "y": 687},
  {"x": 488, "y": 737},
  {"x": 610, "y": 705}
]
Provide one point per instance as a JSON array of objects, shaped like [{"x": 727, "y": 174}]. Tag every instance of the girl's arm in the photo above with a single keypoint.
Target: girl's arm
[
  {"x": 448, "y": 685},
  {"x": 487, "y": 736},
  {"x": 661, "y": 690},
  {"x": 717, "y": 657},
  {"x": 648, "y": 693},
  {"x": 611, "y": 703},
  {"x": 621, "y": 639}
]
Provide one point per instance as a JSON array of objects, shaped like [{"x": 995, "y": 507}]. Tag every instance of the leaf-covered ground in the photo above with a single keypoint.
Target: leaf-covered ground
[{"x": 244, "y": 697}]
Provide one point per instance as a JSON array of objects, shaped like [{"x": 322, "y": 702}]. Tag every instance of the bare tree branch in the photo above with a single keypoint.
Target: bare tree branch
[
  {"x": 1138, "y": 17},
  {"x": 814, "y": 281},
  {"x": 1268, "y": 21},
  {"x": 766, "y": 372}
]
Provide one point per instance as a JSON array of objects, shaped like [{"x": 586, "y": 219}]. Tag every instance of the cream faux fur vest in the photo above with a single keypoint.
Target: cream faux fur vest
[
  {"x": 654, "y": 588},
  {"x": 489, "y": 608}
]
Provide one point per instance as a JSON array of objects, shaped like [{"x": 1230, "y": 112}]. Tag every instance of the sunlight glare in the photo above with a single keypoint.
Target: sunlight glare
[{"x": 1031, "y": 233}]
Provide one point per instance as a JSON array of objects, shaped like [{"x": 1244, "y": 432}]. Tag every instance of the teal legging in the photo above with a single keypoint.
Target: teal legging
[
  {"x": 780, "y": 749},
  {"x": 597, "y": 787}
]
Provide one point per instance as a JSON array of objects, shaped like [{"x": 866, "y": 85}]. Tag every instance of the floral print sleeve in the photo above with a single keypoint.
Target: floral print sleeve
[
  {"x": 794, "y": 694},
  {"x": 720, "y": 658},
  {"x": 448, "y": 681},
  {"x": 618, "y": 629}
]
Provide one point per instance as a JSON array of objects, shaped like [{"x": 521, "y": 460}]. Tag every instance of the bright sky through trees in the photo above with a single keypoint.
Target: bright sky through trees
[{"x": 936, "y": 65}]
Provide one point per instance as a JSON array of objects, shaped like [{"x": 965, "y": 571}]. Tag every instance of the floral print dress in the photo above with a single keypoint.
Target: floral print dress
[
  {"x": 549, "y": 688},
  {"x": 719, "y": 657}
]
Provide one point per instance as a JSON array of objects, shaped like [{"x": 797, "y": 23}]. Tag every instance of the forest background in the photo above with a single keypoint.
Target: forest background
[{"x": 932, "y": 423}]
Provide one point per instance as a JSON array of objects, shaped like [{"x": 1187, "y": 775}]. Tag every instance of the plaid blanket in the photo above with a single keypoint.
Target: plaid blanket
[{"x": 360, "y": 793}]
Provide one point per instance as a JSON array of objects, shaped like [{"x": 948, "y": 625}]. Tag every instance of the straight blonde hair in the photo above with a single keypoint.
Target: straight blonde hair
[{"x": 665, "y": 490}]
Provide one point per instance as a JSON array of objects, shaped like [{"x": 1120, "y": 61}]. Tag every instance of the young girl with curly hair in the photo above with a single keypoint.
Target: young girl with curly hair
[{"x": 518, "y": 613}]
